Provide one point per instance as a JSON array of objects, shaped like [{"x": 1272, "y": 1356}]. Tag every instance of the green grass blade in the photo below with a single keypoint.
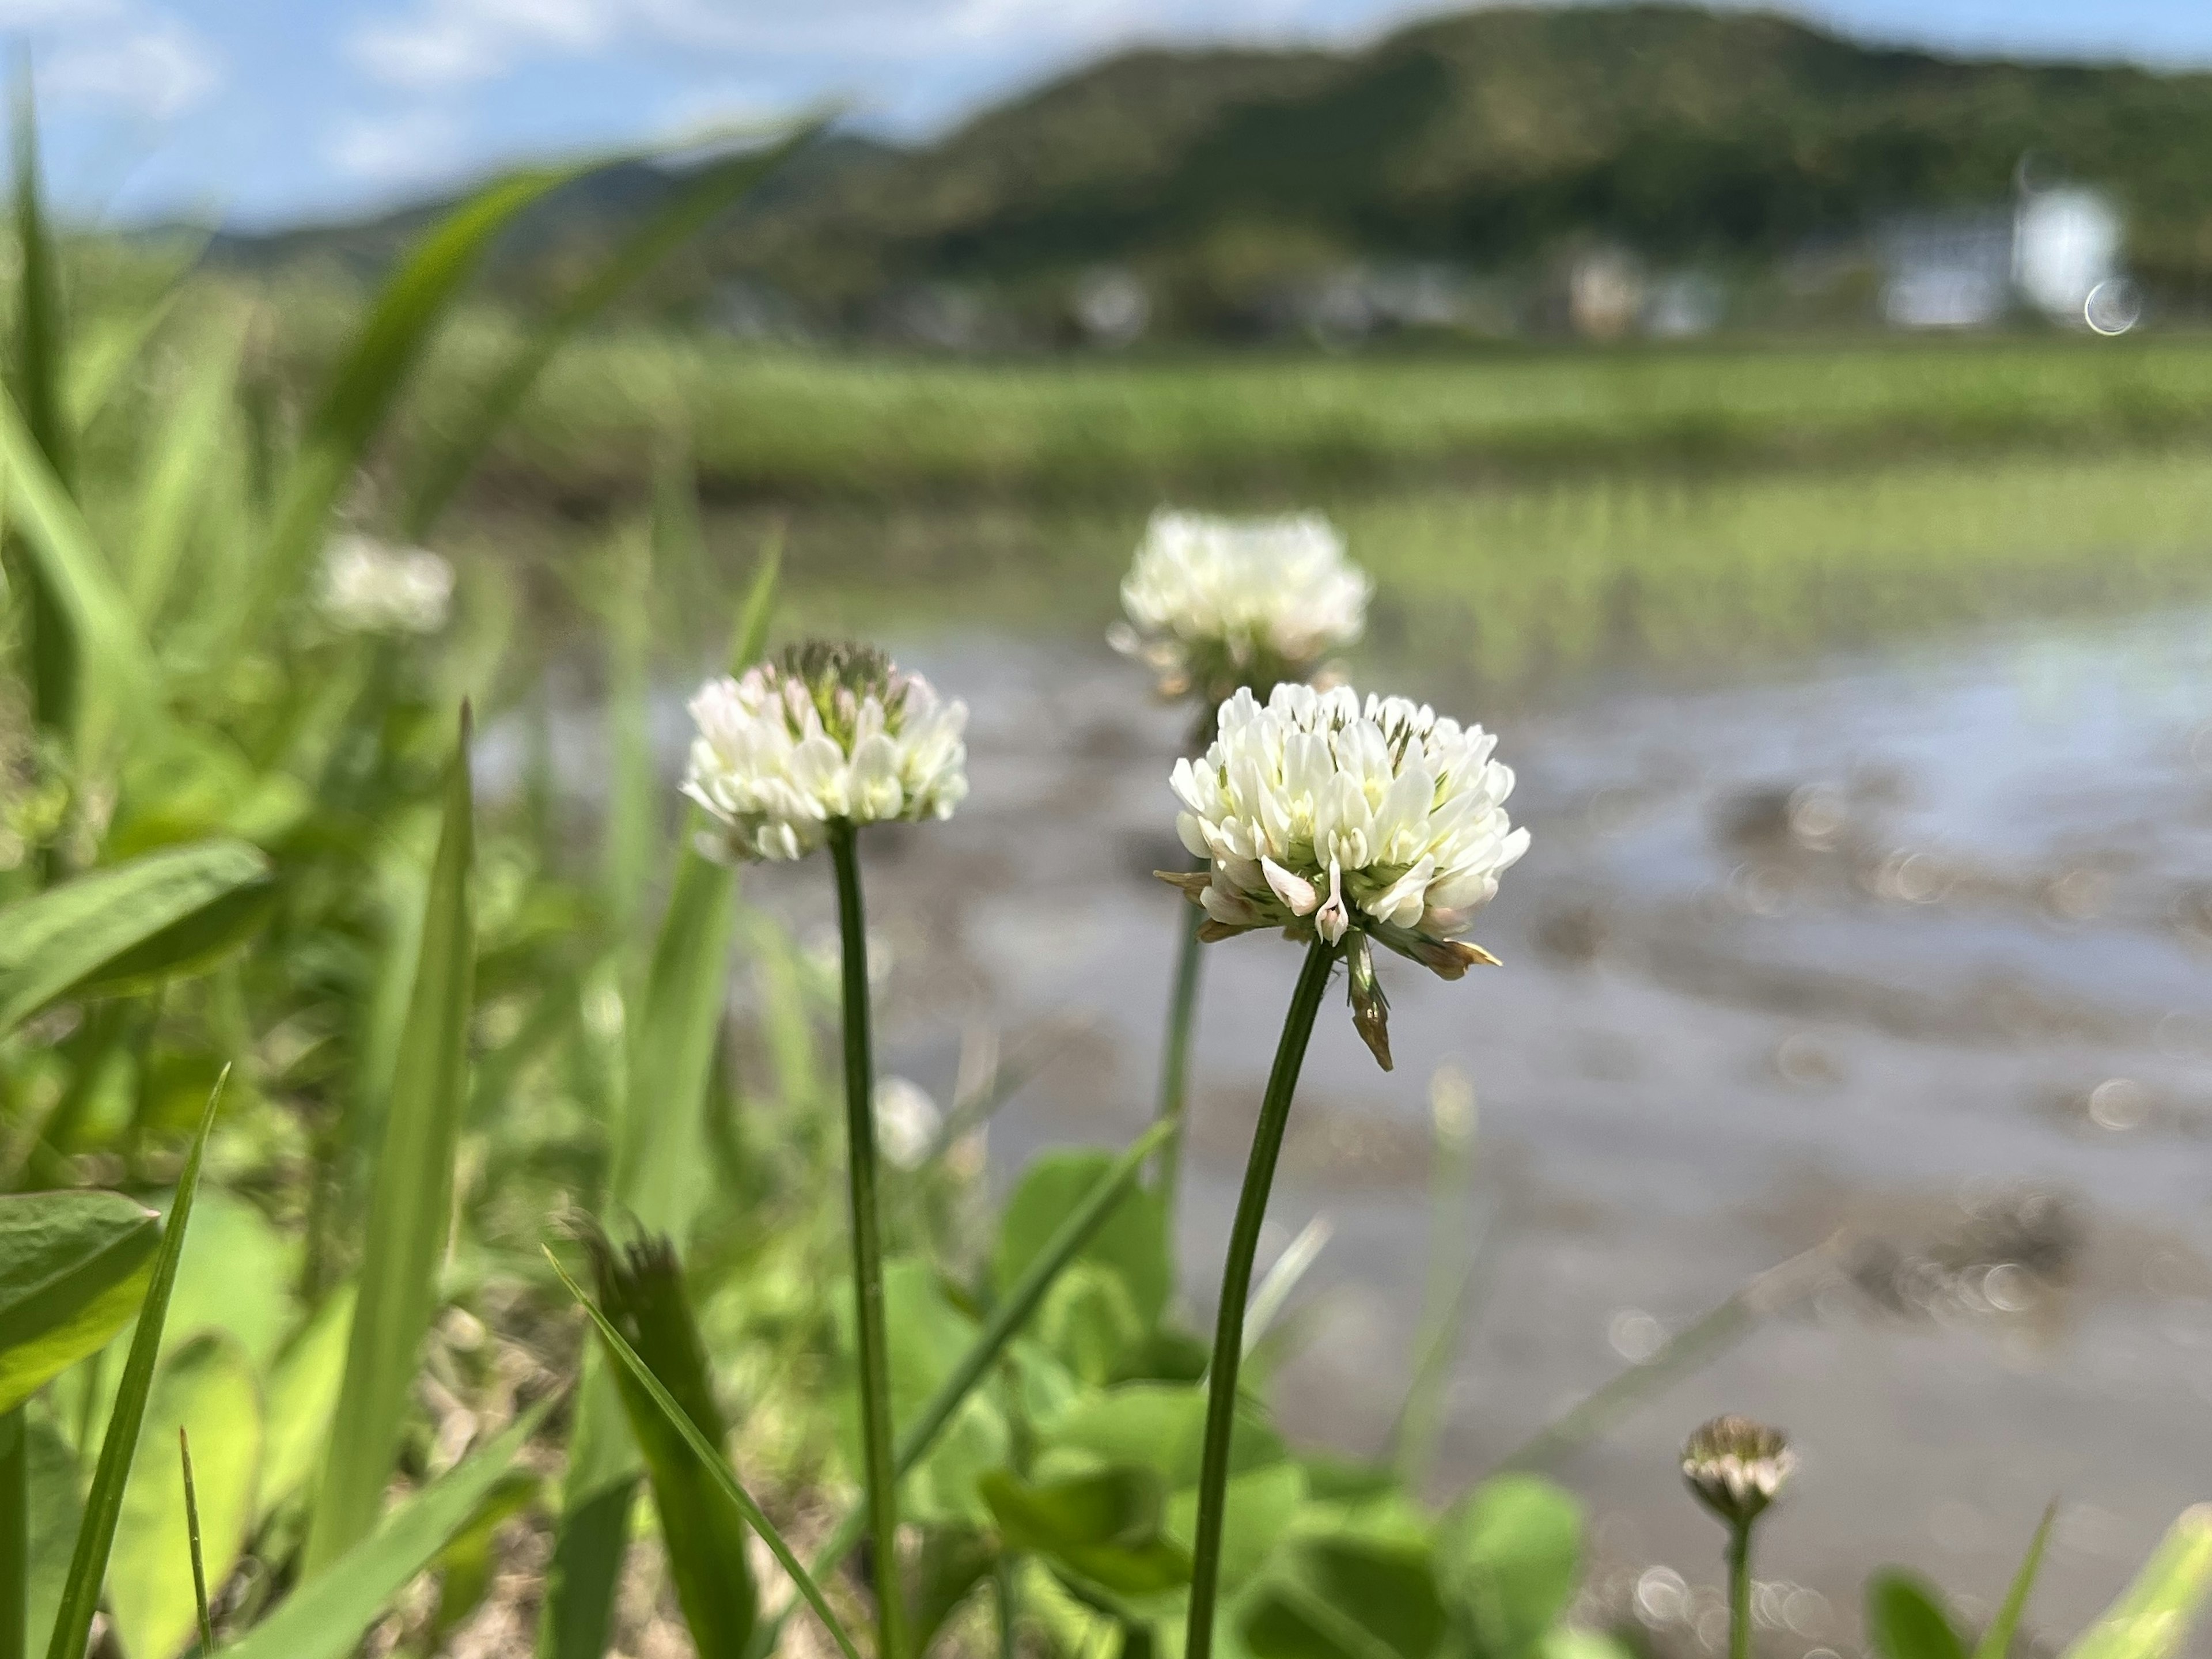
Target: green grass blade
[
  {"x": 660, "y": 1163},
  {"x": 15, "y": 1532},
  {"x": 368, "y": 378},
  {"x": 55, "y": 647},
  {"x": 72, "y": 578},
  {"x": 2152, "y": 1615},
  {"x": 1697, "y": 1344},
  {"x": 750, "y": 643},
  {"x": 100, "y": 368},
  {"x": 689, "y": 211},
  {"x": 327, "y": 1615},
  {"x": 192, "y": 1542},
  {"x": 659, "y": 1154},
  {"x": 55, "y": 941},
  {"x": 38, "y": 340},
  {"x": 411, "y": 1199},
  {"x": 710, "y": 1456},
  {"x": 103, "y": 1504},
  {"x": 1013, "y": 1311},
  {"x": 642, "y": 1287},
  {"x": 633, "y": 793},
  {"x": 185, "y": 459},
  {"x": 1996, "y": 1640}
]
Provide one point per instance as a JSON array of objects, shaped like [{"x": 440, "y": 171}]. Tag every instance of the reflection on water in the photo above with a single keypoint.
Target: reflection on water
[{"x": 1913, "y": 952}]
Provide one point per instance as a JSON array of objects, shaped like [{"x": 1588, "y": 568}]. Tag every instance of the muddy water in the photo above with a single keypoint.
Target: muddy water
[{"x": 1909, "y": 953}]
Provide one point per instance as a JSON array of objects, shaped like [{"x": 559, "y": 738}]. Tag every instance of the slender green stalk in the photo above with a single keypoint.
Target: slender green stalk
[
  {"x": 192, "y": 1542},
  {"x": 1002, "y": 1584},
  {"x": 14, "y": 1534},
  {"x": 1011, "y": 1313},
  {"x": 1739, "y": 1568},
  {"x": 1175, "y": 1059},
  {"x": 1236, "y": 1287},
  {"x": 867, "y": 1245}
]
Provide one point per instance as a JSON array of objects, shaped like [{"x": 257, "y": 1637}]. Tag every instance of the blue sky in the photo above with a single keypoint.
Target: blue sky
[{"x": 266, "y": 111}]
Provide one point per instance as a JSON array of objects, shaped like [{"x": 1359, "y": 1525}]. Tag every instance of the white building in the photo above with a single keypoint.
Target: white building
[{"x": 1967, "y": 269}]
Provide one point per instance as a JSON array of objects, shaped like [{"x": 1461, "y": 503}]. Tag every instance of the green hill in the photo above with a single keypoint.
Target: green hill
[{"x": 1489, "y": 139}]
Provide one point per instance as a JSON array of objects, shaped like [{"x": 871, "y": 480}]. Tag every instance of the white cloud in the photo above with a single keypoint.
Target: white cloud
[
  {"x": 401, "y": 148},
  {"x": 434, "y": 43},
  {"x": 153, "y": 66},
  {"x": 442, "y": 42}
]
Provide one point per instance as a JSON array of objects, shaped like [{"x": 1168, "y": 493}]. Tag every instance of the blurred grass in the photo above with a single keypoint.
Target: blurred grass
[
  {"x": 1517, "y": 585},
  {"x": 882, "y": 428}
]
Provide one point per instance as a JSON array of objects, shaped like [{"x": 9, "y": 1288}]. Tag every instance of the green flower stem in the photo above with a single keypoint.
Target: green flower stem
[
  {"x": 1739, "y": 1569},
  {"x": 1174, "y": 1059},
  {"x": 14, "y": 1534},
  {"x": 1236, "y": 1287},
  {"x": 868, "y": 1247}
]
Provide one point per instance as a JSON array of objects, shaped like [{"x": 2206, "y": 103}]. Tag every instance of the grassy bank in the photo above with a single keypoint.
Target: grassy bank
[{"x": 783, "y": 424}]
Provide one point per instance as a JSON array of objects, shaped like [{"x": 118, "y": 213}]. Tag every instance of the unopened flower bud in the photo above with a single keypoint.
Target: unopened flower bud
[{"x": 1736, "y": 1467}]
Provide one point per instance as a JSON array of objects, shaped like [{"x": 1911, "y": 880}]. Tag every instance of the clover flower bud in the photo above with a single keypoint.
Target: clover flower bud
[
  {"x": 1332, "y": 818},
  {"x": 1216, "y": 603},
  {"x": 1736, "y": 1467},
  {"x": 823, "y": 732},
  {"x": 366, "y": 586},
  {"x": 907, "y": 1121}
]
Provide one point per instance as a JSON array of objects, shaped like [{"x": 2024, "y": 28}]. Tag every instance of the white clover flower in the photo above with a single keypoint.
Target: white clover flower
[
  {"x": 824, "y": 732},
  {"x": 1327, "y": 817},
  {"x": 1215, "y": 604},
  {"x": 369, "y": 587},
  {"x": 1737, "y": 1467},
  {"x": 907, "y": 1121}
]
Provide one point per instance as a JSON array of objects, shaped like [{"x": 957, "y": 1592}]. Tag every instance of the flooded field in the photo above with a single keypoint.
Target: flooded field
[{"x": 1906, "y": 956}]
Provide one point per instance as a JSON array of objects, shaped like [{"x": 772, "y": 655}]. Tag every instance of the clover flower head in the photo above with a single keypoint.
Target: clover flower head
[
  {"x": 1736, "y": 1466},
  {"x": 367, "y": 586},
  {"x": 824, "y": 732},
  {"x": 1351, "y": 822},
  {"x": 907, "y": 1121},
  {"x": 1216, "y": 603}
]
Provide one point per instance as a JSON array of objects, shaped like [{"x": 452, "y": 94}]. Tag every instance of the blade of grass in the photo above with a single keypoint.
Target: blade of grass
[
  {"x": 2153, "y": 1614},
  {"x": 658, "y": 1156},
  {"x": 103, "y": 1505},
  {"x": 689, "y": 211},
  {"x": 710, "y": 1456},
  {"x": 15, "y": 1533},
  {"x": 99, "y": 369},
  {"x": 1006, "y": 1319},
  {"x": 632, "y": 815},
  {"x": 55, "y": 647},
  {"x": 192, "y": 1542},
  {"x": 1695, "y": 1345},
  {"x": 368, "y": 378},
  {"x": 185, "y": 459},
  {"x": 87, "y": 606},
  {"x": 411, "y": 1200},
  {"x": 1997, "y": 1639},
  {"x": 642, "y": 1289},
  {"x": 326, "y": 1617},
  {"x": 1282, "y": 1277},
  {"x": 1455, "y": 1242}
]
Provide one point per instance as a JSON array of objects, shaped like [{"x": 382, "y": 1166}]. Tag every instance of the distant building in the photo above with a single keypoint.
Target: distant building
[
  {"x": 1946, "y": 270},
  {"x": 2051, "y": 251},
  {"x": 1358, "y": 301},
  {"x": 2066, "y": 242},
  {"x": 1111, "y": 307},
  {"x": 1684, "y": 305},
  {"x": 1605, "y": 294}
]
